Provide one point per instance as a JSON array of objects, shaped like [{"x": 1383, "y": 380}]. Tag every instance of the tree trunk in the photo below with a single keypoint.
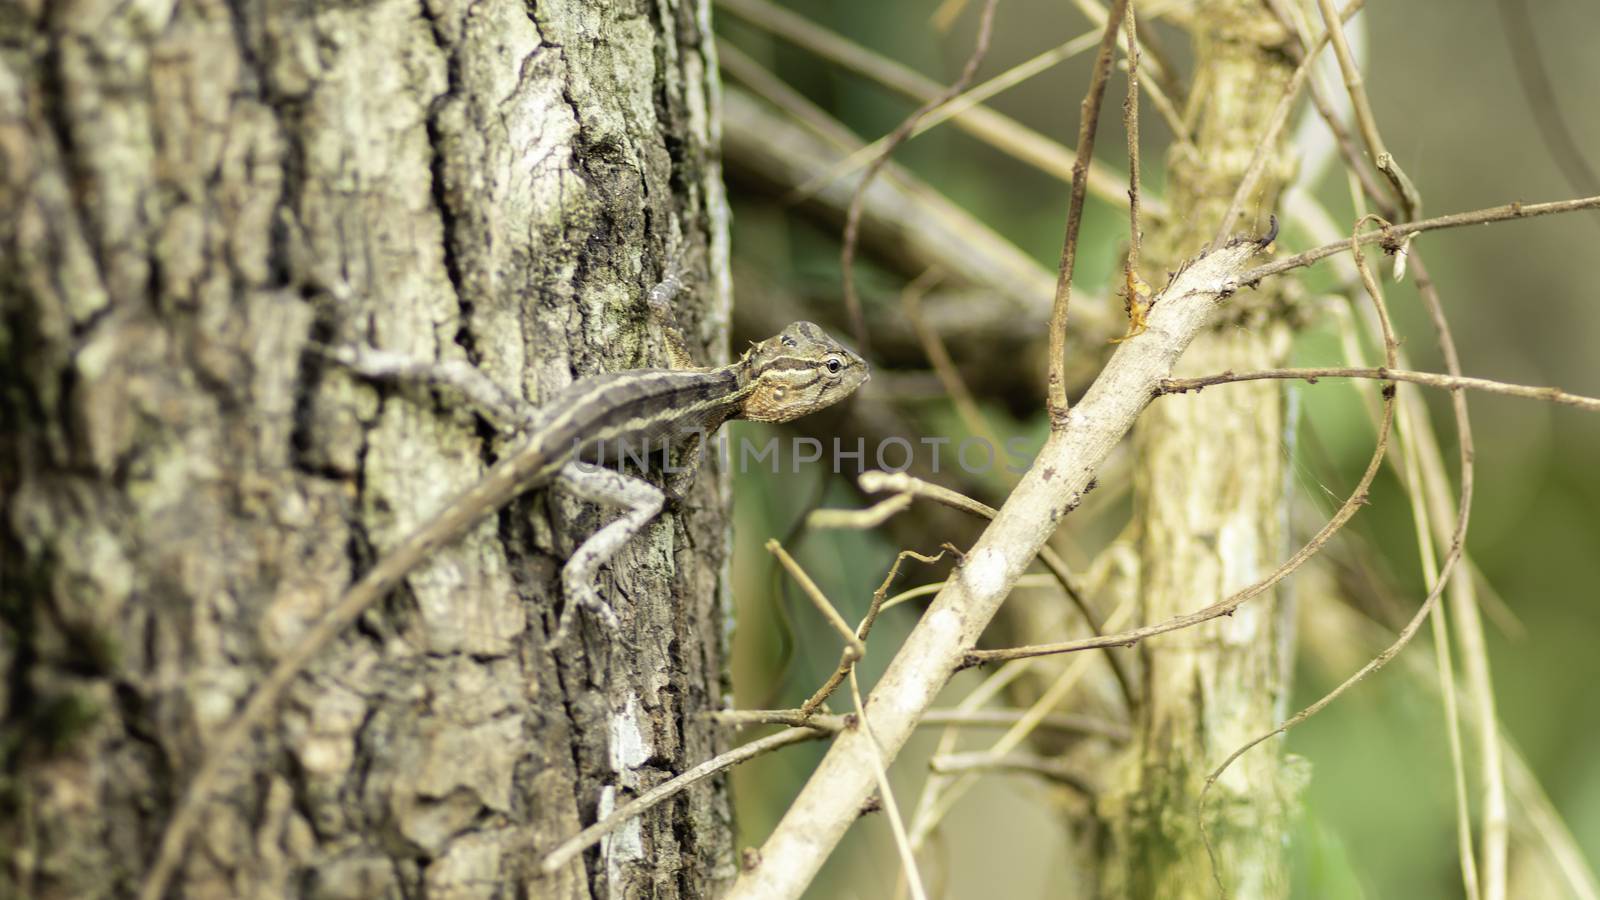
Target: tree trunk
[
  {"x": 1209, "y": 497},
  {"x": 191, "y": 195}
]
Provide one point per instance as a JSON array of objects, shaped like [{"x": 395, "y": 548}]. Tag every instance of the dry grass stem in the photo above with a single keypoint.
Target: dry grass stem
[{"x": 1469, "y": 628}]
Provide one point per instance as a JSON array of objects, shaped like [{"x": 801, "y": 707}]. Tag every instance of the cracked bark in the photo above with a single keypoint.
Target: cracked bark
[{"x": 189, "y": 194}]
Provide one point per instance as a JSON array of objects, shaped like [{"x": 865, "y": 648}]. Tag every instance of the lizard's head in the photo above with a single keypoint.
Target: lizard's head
[{"x": 798, "y": 372}]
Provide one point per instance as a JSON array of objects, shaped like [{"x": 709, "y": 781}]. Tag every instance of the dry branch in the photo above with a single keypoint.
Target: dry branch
[
  {"x": 1393, "y": 234},
  {"x": 586, "y": 838},
  {"x": 1383, "y": 373},
  {"x": 831, "y": 800}
]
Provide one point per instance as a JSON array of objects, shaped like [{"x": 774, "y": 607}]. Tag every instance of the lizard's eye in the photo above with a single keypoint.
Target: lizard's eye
[{"x": 834, "y": 365}]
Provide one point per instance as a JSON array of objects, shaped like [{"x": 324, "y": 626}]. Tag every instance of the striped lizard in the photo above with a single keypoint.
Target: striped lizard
[{"x": 798, "y": 371}]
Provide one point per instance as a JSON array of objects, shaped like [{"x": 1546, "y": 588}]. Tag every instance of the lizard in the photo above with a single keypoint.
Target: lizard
[{"x": 796, "y": 372}]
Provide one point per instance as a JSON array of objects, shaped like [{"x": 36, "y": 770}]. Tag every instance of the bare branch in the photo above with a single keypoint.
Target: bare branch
[
  {"x": 908, "y": 859},
  {"x": 586, "y": 838},
  {"x": 1394, "y": 232},
  {"x": 1066, "y": 723},
  {"x": 1383, "y": 373}
]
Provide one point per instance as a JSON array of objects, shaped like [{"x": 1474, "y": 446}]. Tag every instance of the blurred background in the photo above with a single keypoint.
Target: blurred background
[{"x": 1456, "y": 111}]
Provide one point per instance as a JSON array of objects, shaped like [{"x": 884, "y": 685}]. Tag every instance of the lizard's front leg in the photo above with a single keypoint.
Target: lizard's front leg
[{"x": 643, "y": 502}]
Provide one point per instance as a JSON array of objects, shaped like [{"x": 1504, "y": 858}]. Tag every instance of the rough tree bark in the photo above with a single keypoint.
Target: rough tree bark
[
  {"x": 1209, "y": 497},
  {"x": 192, "y": 192}
]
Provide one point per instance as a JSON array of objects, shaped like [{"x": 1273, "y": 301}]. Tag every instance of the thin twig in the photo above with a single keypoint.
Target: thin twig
[
  {"x": 925, "y": 590},
  {"x": 907, "y": 223},
  {"x": 1383, "y": 373},
  {"x": 1065, "y": 723},
  {"x": 1137, "y": 291},
  {"x": 1290, "y": 18},
  {"x": 981, "y": 761},
  {"x": 859, "y": 519},
  {"x": 876, "y": 482},
  {"x": 852, "y": 219},
  {"x": 1164, "y": 91},
  {"x": 1394, "y": 233},
  {"x": 956, "y": 107},
  {"x": 1362, "y": 108},
  {"x": 571, "y": 847},
  {"x": 1088, "y": 123},
  {"x": 938, "y": 355},
  {"x": 847, "y": 659},
  {"x": 853, "y": 645},
  {"x": 908, "y": 859},
  {"x": 1130, "y": 123},
  {"x": 941, "y": 795}
]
